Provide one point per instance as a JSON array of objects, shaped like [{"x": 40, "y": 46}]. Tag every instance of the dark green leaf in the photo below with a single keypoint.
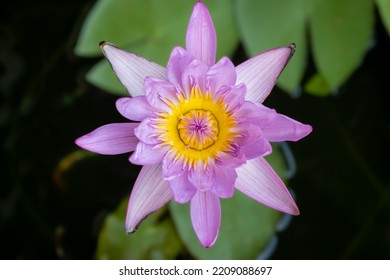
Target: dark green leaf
[
  {"x": 148, "y": 28},
  {"x": 102, "y": 76},
  {"x": 341, "y": 32},
  {"x": 384, "y": 11},
  {"x": 269, "y": 24},
  {"x": 317, "y": 86},
  {"x": 154, "y": 240}
]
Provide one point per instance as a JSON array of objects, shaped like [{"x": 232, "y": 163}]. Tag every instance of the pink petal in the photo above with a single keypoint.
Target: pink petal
[
  {"x": 149, "y": 194},
  {"x": 183, "y": 190},
  {"x": 253, "y": 143},
  {"x": 259, "y": 147},
  {"x": 203, "y": 178},
  {"x": 194, "y": 75},
  {"x": 178, "y": 61},
  {"x": 233, "y": 96},
  {"x": 230, "y": 159},
  {"x": 131, "y": 69},
  {"x": 160, "y": 93},
  {"x": 248, "y": 133},
  {"x": 206, "y": 217},
  {"x": 224, "y": 182},
  {"x": 172, "y": 167},
  {"x": 259, "y": 181},
  {"x": 254, "y": 113},
  {"x": 146, "y": 154},
  {"x": 110, "y": 139},
  {"x": 223, "y": 73},
  {"x": 201, "y": 39},
  {"x": 146, "y": 132},
  {"x": 136, "y": 108},
  {"x": 260, "y": 73},
  {"x": 283, "y": 128}
]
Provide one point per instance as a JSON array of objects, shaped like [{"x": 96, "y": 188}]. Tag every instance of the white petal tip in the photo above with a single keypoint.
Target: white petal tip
[
  {"x": 104, "y": 44},
  {"x": 292, "y": 48},
  {"x": 108, "y": 48},
  {"x": 130, "y": 227}
]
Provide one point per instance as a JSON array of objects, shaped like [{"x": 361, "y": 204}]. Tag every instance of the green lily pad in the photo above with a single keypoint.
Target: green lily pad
[
  {"x": 102, "y": 76},
  {"x": 384, "y": 11},
  {"x": 268, "y": 24},
  {"x": 341, "y": 32},
  {"x": 246, "y": 227},
  {"x": 148, "y": 28},
  {"x": 317, "y": 86},
  {"x": 155, "y": 239}
]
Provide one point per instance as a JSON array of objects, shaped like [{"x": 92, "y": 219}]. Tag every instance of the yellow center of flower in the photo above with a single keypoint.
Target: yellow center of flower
[{"x": 198, "y": 128}]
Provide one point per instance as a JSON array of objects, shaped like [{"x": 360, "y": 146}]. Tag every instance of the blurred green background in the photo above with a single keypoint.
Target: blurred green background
[{"x": 58, "y": 202}]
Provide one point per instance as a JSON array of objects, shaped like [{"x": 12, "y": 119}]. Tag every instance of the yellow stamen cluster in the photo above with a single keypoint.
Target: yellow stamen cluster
[{"x": 197, "y": 128}]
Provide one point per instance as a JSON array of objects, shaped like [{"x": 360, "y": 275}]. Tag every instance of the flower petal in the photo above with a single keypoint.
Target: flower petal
[
  {"x": 247, "y": 132},
  {"x": 178, "y": 61},
  {"x": 230, "y": 159},
  {"x": 233, "y": 96},
  {"x": 257, "y": 148},
  {"x": 224, "y": 182},
  {"x": 110, "y": 139},
  {"x": 183, "y": 190},
  {"x": 223, "y": 73},
  {"x": 194, "y": 75},
  {"x": 146, "y": 132},
  {"x": 201, "y": 39},
  {"x": 131, "y": 69},
  {"x": 254, "y": 113},
  {"x": 149, "y": 194},
  {"x": 259, "y": 181},
  {"x": 206, "y": 217},
  {"x": 203, "y": 178},
  {"x": 136, "y": 108},
  {"x": 148, "y": 155},
  {"x": 172, "y": 167},
  {"x": 252, "y": 142},
  {"x": 260, "y": 73},
  {"x": 283, "y": 128},
  {"x": 160, "y": 93}
]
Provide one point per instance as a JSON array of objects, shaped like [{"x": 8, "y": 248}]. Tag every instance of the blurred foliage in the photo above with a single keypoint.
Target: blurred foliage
[
  {"x": 154, "y": 28},
  {"x": 345, "y": 25},
  {"x": 317, "y": 85},
  {"x": 269, "y": 24},
  {"x": 155, "y": 239},
  {"x": 384, "y": 11},
  {"x": 148, "y": 28}
]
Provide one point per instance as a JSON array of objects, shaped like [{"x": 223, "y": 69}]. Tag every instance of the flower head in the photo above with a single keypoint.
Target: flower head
[{"x": 201, "y": 131}]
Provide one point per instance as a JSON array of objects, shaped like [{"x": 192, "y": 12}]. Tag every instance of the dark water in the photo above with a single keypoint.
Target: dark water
[{"x": 342, "y": 180}]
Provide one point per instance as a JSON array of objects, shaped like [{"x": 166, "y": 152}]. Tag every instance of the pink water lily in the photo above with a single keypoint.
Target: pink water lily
[{"x": 201, "y": 131}]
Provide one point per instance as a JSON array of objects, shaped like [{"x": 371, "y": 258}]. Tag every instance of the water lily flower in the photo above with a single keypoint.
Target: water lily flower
[{"x": 200, "y": 129}]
